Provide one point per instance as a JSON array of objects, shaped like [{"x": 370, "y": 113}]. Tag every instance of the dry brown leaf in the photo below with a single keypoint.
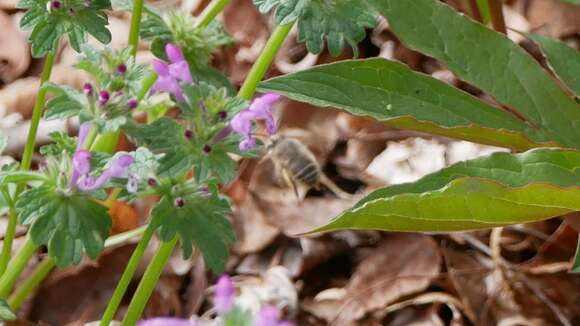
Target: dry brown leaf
[
  {"x": 124, "y": 217},
  {"x": 554, "y": 18},
  {"x": 14, "y": 50},
  {"x": 403, "y": 264}
]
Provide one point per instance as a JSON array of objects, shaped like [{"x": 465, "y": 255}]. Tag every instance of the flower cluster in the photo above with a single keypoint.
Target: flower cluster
[
  {"x": 81, "y": 163},
  {"x": 260, "y": 109},
  {"x": 169, "y": 75}
]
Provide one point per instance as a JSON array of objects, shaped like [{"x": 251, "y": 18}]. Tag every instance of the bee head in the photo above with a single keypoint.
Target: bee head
[{"x": 272, "y": 142}]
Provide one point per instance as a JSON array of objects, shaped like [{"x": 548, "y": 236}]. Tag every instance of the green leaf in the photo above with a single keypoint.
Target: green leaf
[
  {"x": 564, "y": 60},
  {"x": 391, "y": 92},
  {"x": 201, "y": 222},
  {"x": 62, "y": 143},
  {"x": 44, "y": 37},
  {"x": 538, "y": 175},
  {"x": 95, "y": 24},
  {"x": 336, "y": 21},
  {"x": 464, "y": 204},
  {"x": 18, "y": 177},
  {"x": 488, "y": 60},
  {"x": 554, "y": 166},
  {"x": 6, "y": 312},
  {"x": 69, "y": 225},
  {"x": 67, "y": 103},
  {"x": 575, "y": 2}
]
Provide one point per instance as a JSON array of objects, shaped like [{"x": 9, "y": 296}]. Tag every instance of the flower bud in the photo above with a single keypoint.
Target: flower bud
[
  {"x": 179, "y": 202},
  {"x": 152, "y": 182},
  {"x": 188, "y": 134},
  {"x": 104, "y": 97},
  {"x": 206, "y": 149},
  {"x": 88, "y": 89},
  {"x": 55, "y": 4},
  {"x": 132, "y": 103},
  {"x": 121, "y": 69},
  {"x": 222, "y": 115}
]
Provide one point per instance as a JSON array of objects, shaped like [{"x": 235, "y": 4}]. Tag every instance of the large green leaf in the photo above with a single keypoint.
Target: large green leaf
[
  {"x": 488, "y": 60},
  {"x": 563, "y": 59},
  {"x": 464, "y": 204},
  {"x": 490, "y": 191},
  {"x": 391, "y": 92}
]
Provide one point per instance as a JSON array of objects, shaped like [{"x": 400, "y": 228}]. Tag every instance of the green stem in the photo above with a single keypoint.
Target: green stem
[
  {"x": 37, "y": 113},
  {"x": 135, "y": 26},
  {"x": 497, "y": 19},
  {"x": 31, "y": 283},
  {"x": 90, "y": 138},
  {"x": 148, "y": 282},
  {"x": 8, "y": 239},
  {"x": 264, "y": 60},
  {"x": 127, "y": 276},
  {"x": 146, "y": 85},
  {"x": 211, "y": 11},
  {"x": 17, "y": 264}
]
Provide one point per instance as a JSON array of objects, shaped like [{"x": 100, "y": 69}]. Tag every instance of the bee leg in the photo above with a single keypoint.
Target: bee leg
[
  {"x": 334, "y": 188},
  {"x": 290, "y": 182}
]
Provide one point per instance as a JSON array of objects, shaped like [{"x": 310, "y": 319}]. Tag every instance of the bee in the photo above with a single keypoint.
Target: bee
[{"x": 297, "y": 165}]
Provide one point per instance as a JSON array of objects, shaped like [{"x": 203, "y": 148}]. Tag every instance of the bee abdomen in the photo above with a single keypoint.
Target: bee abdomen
[{"x": 305, "y": 171}]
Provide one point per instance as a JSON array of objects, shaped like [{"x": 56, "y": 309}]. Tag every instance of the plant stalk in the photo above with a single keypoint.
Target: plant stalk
[
  {"x": 497, "y": 18},
  {"x": 17, "y": 265},
  {"x": 8, "y": 239},
  {"x": 127, "y": 276},
  {"x": 211, "y": 11},
  {"x": 135, "y": 26},
  {"x": 263, "y": 62},
  {"x": 148, "y": 283},
  {"x": 31, "y": 283}
]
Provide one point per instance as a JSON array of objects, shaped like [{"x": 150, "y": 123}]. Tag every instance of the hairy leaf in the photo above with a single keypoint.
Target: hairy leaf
[
  {"x": 563, "y": 59},
  {"x": 200, "y": 222},
  {"x": 67, "y": 103},
  {"x": 337, "y": 21},
  {"x": 488, "y": 60},
  {"x": 391, "y": 92},
  {"x": 68, "y": 224}
]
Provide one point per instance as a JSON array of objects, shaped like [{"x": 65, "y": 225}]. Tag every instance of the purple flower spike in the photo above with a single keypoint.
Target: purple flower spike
[
  {"x": 224, "y": 295},
  {"x": 169, "y": 75},
  {"x": 81, "y": 163},
  {"x": 83, "y": 133},
  {"x": 260, "y": 109},
  {"x": 166, "y": 321}
]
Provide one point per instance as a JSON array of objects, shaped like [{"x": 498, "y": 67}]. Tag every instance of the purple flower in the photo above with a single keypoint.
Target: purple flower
[
  {"x": 260, "y": 109},
  {"x": 132, "y": 103},
  {"x": 270, "y": 316},
  {"x": 166, "y": 321},
  {"x": 224, "y": 295},
  {"x": 169, "y": 75},
  {"x": 82, "y": 168}
]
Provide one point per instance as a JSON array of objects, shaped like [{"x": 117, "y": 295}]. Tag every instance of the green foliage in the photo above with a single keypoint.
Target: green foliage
[
  {"x": 197, "y": 43},
  {"x": 498, "y": 190},
  {"x": 463, "y": 204},
  {"x": 337, "y": 21},
  {"x": 67, "y": 102},
  {"x": 564, "y": 60},
  {"x": 75, "y": 18},
  {"x": 200, "y": 222},
  {"x": 391, "y": 92},
  {"x": 489, "y": 61},
  {"x": 62, "y": 143},
  {"x": 6, "y": 312},
  {"x": 68, "y": 224}
]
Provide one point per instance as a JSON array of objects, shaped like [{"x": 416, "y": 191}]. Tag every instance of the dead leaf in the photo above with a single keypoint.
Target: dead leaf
[
  {"x": 554, "y": 18},
  {"x": 123, "y": 216},
  {"x": 403, "y": 264}
]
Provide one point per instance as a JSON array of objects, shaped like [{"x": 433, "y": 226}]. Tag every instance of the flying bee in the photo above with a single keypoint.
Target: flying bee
[{"x": 297, "y": 165}]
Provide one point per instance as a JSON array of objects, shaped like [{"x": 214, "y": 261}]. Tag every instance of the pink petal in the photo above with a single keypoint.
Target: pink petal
[
  {"x": 160, "y": 67},
  {"x": 180, "y": 70},
  {"x": 174, "y": 53}
]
